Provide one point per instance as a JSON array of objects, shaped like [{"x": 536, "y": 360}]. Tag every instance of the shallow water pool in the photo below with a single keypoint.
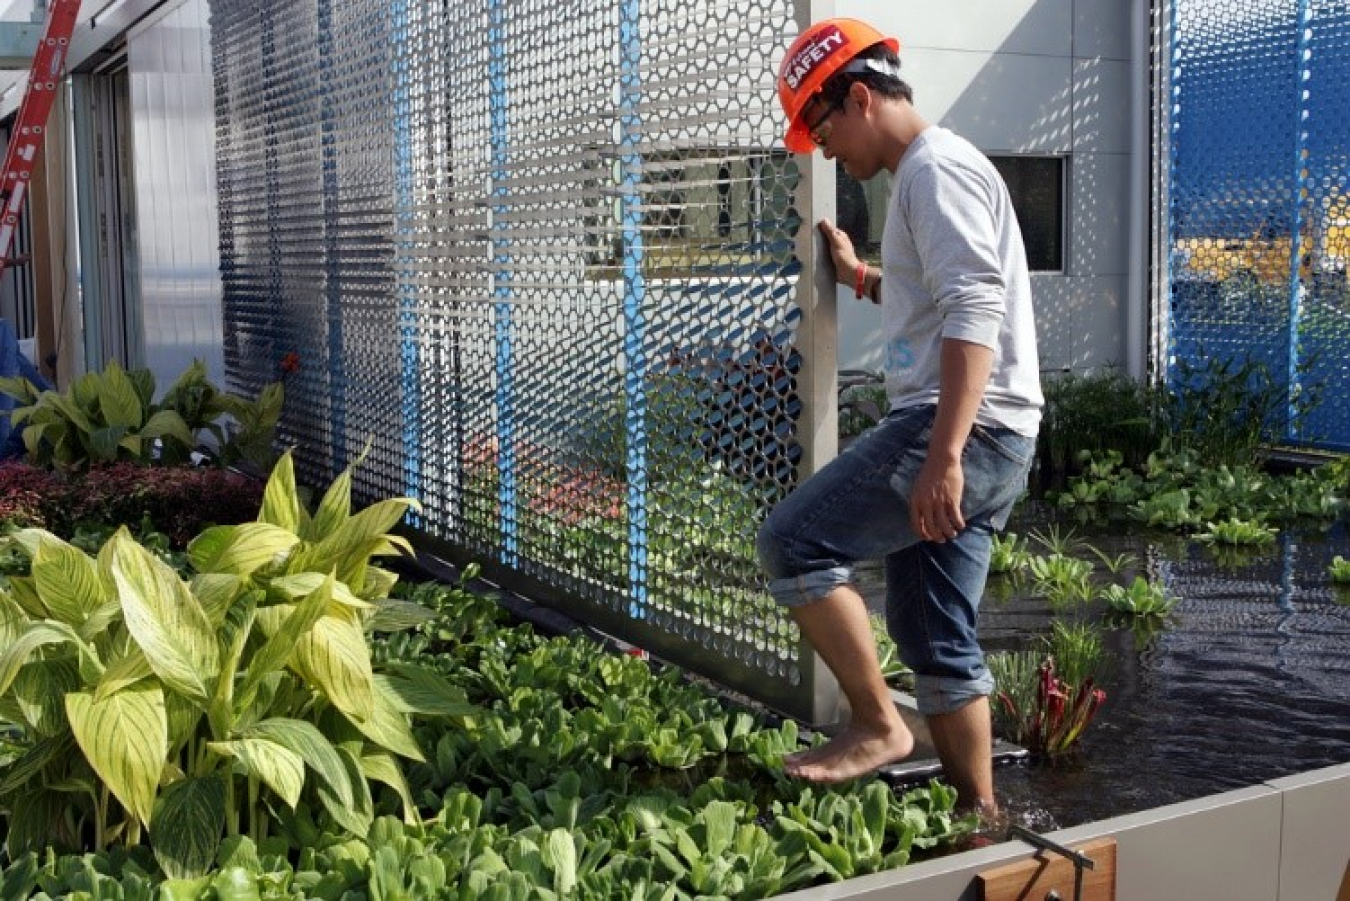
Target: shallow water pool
[{"x": 1249, "y": 681}]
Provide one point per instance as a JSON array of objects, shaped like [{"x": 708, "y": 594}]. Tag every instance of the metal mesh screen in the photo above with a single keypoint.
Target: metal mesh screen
[
  {"x": 1259, "y": 230},
  {"x": 540, "y": 256}
]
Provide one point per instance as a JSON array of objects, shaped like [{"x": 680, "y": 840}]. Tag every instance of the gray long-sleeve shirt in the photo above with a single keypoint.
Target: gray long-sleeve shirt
[{"x": 954, "y": 267}]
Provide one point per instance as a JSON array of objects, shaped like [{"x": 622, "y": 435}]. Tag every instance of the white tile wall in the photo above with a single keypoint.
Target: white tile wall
[
  {"x": 1102, "y": 28},
  {"x": 999, "y": 101},
  {"x": 1099, "y": 200},
  {"x": 1101, "y": 108},
  {"x": 1040, "y": 27}
]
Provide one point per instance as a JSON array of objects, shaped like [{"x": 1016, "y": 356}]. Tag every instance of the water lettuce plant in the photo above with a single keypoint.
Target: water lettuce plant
[
  {"x": 1061, "y": 580},
  {"x": 1141, "y": 598},
  {"x": 1009, "y": 555},
  {"x": 1176, "y": 490},
  {"x": 1339, "y": 570},
  {"x": 1238, "y": 532}
]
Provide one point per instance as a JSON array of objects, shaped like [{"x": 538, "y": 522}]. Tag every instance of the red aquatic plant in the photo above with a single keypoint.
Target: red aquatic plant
[{"x": 1059, "y": 714}]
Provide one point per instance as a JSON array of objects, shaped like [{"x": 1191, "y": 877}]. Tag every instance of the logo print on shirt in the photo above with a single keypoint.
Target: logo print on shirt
[{"x": 899, "y": 355}]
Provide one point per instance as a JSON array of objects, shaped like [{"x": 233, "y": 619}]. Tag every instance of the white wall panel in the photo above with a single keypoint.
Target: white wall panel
[
  {"x": 173, "y": 136},
  {"x": 1079, "y": 320},
  {"x": 1099, "y": 205},
  {"x": 1000, "y": 101},
  {"x": 1101, "y": 109},
  {"x": 1102, "y": 28},
  {"x": 1035, "y": 27}
]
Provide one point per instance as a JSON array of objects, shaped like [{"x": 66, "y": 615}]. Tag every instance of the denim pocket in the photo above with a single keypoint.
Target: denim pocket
[
  {"x": 1017, "y": 448},
  {"x": 996, "y": 463}
]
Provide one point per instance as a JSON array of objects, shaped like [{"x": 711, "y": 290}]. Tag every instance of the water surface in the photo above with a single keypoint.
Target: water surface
[{"x": 1249, "y": 681}]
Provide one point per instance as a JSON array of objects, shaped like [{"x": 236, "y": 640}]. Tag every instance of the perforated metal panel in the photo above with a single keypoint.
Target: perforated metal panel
[
  {"x": 1259, "y": 227},
  {"x": 540, "y": 256}
]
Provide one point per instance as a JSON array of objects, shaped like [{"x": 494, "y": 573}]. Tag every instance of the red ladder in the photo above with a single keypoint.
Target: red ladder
[{"x": 30, "y": 126}]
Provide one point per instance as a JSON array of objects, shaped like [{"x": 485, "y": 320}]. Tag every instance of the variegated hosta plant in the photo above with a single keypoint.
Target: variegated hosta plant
[{"x": 193, "y": 709}]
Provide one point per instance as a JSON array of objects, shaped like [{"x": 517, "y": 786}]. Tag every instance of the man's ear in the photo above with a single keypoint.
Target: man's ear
[{"x": 861, "y": 95}]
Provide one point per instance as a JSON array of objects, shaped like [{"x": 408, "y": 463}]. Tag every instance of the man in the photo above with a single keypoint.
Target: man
[{"x": 926, "y": 489}]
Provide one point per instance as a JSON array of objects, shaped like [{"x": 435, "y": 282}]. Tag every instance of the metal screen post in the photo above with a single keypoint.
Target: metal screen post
[
  {"x": 405, "y": 228},
  {"x": 1296, "y": 250},
  {"x": 1160, "y": 179},
  {"x": 634, "y": 292},
  {"x": 502, "y": 314},
  {"x": 818, "y": 338}
]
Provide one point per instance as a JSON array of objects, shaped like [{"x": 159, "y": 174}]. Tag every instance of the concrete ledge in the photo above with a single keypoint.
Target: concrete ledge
[{"x": 1278, "y": 841}]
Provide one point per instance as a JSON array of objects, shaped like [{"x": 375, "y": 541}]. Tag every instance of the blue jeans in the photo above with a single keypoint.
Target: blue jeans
[{"x": 857, "y": 508}]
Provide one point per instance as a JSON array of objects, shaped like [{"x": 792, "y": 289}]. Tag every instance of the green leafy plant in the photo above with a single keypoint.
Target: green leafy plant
[
  {"x": 1063, "y": 581},
  {"x": 1237, "y": 532},
  {"x": 112, "y": 416},
  {"x": 1078, "y": 652},
  {"x": 1058, "y": 543},
  {"x": 184, "y": 708},
  {"x": 1009, "y": 554},
  {"x": 1099, "y": 413},
  {"x": 1340, "y": 570},
  {"x": 1115, "y": 563},
  {"x": 893, "y": 669},
  {"x": 1141, "y": 598},
  {"x": 860, "y": 408},
  {"x": 1226, "y": 406},
  {"x": 556, "y": 788}
]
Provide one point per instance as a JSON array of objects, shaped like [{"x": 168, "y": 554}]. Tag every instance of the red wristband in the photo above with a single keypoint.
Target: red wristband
[{"x": 859, "y": 280}]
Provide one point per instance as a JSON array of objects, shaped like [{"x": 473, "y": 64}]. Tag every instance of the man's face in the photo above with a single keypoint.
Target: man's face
[{"x": 838, "y": 128}]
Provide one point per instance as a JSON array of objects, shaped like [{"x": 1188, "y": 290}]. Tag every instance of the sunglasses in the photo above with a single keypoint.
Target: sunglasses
[{"x": 820, "y": 130}]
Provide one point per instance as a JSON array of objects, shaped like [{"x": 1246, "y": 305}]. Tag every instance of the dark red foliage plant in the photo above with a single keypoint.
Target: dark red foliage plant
[
  {"x": 180, "y": 501},
  {"x": 27, "y": 494}
]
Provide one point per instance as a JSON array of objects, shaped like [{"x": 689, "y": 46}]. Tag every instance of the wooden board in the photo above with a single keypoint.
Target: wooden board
[{"x": 1035, "y": 879}]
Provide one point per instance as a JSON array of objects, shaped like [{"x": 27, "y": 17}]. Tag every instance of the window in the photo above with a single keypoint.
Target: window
[
  {"x": 1036, "y": 184},
  {"x": 704, "y": 211}
]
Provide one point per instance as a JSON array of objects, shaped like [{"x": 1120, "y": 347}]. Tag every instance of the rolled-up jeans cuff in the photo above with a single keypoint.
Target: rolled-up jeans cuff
[
  {"x": 942, "y": 694},
  {"x": 794, "y": 591}
]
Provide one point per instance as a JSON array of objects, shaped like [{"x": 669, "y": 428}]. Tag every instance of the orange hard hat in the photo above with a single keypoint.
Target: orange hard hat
[{"x": 819, "y": 52}]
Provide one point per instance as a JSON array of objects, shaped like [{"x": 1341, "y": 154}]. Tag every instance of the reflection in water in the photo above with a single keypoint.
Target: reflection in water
[{"x": 1249, "y": 681}]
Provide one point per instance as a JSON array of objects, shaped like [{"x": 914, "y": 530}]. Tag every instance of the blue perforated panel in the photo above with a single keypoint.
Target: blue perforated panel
[{"x": 1259, "y": 199}]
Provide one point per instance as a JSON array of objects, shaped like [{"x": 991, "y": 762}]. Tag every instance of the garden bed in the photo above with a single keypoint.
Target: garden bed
[{"x": 496, "y": 760}]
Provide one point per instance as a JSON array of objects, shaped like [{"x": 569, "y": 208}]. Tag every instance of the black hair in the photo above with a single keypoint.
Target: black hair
[{"x": 836, "y": 88}]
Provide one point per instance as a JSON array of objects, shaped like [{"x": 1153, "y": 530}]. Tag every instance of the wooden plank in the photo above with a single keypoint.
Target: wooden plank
[{"x": 1037, "y": 878}]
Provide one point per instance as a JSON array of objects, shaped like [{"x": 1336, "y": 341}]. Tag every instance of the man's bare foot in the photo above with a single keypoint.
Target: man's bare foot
[
  {"x": 991, "y": 824},
  {"x": 854, "y": 752}
]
